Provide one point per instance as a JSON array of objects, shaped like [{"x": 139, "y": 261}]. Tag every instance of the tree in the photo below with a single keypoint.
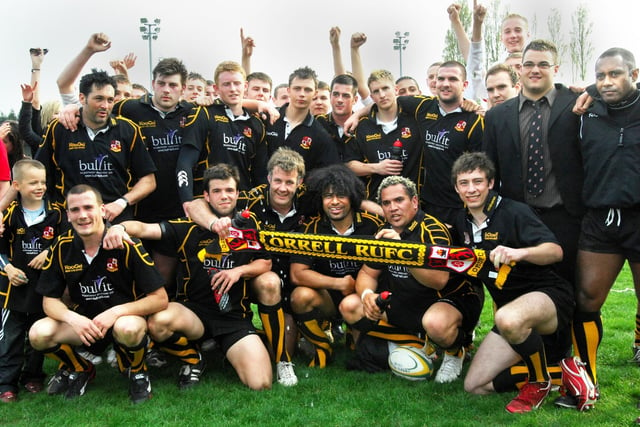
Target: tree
[
  {"x": 10, "y": 116},
  {"x": 554, "y": 25},
  {"x": 492, "y": 34},
  {"x": 581, "y": 46},
  {"x": 451, "y": 51}
]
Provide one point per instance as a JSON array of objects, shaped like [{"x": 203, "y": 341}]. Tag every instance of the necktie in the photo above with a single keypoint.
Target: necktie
[{"x": 535, "y": 154}]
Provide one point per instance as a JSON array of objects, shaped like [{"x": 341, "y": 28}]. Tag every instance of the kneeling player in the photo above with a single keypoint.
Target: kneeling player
[
  {"x": 216, "y": 290},
  {"x": 322, "y": 283},
  {"x": 113, "y": 290},
  {"x": 533, "y": 303},
  {"x": 423, "y": 300}
]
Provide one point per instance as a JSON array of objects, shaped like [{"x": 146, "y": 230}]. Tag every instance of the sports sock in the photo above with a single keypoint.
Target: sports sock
[
  {"x": 309, "y": 327},
  {"x": 178, "y": 345},
  {"x": 386, "y": 331},
  {"x": 132, "y": 358},
  {"x": 636, "y": 342},
  {"x": 514, "y": 377},
  {"x": 272, "y": 317},
  {"x": 456, "y": 347},
  {"x": 587, "y": 335},
  {"x": 68, "y": 358},
  {"x": 532, "y": 352}
]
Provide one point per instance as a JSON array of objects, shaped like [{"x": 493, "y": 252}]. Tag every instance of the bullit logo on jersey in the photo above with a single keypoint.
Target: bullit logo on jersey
[
  {"x": 373, "y": 137},
  {"x": 342, "y": 268},
  {"x": 74, "y": 268},
  {"x": 32, "y": 247},
  {"x": 491, "y": 236},
  {"x": 223, "y": 119},
  {"x": 147, "y": 124},
  {"x": 76, "y": 146},
  {"x": 247, "y": 132},
  {"x": 116, "y": 146},
  {"x": 439, "y": 141},
  {"x": 406, "y": 132},
  {"x": 431, "y": 116},
  {"x": 112, "y": 265},
  {"x": 171, "y": 142},
  {"x": 306, "y": 142},
  {"x": 98, "y": 289},
  {"x": 460, "y": 126},
  {"x": 101, "y": 167},
  {"x": 48, "y": 233},
  {"x": 234, "y": 143},
  {"x": 224, "y": 263}
]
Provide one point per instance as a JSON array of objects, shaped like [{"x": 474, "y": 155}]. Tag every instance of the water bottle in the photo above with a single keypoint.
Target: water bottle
[
  {"x": 383, "y": 300},
  {"x": 396, "y": 150}
]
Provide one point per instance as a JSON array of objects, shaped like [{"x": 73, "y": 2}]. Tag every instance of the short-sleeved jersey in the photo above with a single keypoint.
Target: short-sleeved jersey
[
  {"x": 332, "y": 128},
  {"x": 112, "y": 278},
  {"x": 22, "y": 243},
  {"x": 371, "y": 145},
  {"x": 407, "y": 291},
  {"x": 162, "y": 134},
  {"x": 186, "y": 239},
  {"x": 112, "y": 163},
  {"x": 513, "y": 224},
  {"x": 364, "y": 224},
  {"x": 445, "y": 138},
  {"x": 257, "y": 201},
  {"x": 309, "y": 139},
  {"x": 222, "y": 138}
]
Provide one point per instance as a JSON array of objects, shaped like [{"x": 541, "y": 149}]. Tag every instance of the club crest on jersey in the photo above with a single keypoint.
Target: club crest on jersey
[
  {"x": 306, "y": 142},
  {"x": 116, "y": 147},
  {"x": 406, "y": 132},
  {"x": 48, "y": 233},
  {"x": 247, "y": 132},
  {"x": 112, "y": 265},
  {"x": 460, "y": 126}
]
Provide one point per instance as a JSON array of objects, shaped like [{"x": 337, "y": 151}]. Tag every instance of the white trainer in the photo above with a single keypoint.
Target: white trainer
[
  {"x": 451, "y": 368},
  {"x": 286, "y": 375}
]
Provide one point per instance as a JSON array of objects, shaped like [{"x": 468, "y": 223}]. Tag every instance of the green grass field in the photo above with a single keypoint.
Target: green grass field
[{"x": 337, "y": 397}]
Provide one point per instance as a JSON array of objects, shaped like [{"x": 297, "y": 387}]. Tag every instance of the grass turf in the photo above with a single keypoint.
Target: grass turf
[{"x": 337, "y": 397}]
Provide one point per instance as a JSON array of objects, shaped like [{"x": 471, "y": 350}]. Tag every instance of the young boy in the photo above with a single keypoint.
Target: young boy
[{"x": 31, "y": 224}]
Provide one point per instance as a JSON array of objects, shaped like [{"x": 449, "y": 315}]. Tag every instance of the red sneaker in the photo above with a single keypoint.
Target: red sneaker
[
  {"x": 530, "y": 397},
  {"x": 577, "y": 383},
  {"x": 8, "y": 397}
]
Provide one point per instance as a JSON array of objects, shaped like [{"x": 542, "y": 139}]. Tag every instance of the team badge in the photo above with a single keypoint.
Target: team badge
[
  {"x": 406, "y": 132},
  {"x": 48, "y": 233},
  {"x": 112, "y": 265},
  {"x": 306, "y": 142},
  {"x": 247, "y": 132},
  {"x": 461, "y": 125},
  {"x": 116, "y": 147}
]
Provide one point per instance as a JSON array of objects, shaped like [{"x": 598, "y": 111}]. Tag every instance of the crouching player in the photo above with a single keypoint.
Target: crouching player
[
  {"x": 534, "y": 305},
  {"x": 199, "y": 315},
  {"x": 113, "y": 291}
]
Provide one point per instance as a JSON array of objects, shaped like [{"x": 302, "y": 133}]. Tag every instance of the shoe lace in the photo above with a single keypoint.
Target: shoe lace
[
  {"x": 450, "y": 365},
  {"x": 285, "y": 370}
]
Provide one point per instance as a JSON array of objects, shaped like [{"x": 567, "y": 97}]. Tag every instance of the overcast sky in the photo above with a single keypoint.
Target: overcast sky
[{"x": 288, "y": 34}]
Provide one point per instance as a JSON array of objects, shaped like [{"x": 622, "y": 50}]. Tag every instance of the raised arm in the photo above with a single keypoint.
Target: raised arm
[
  {"x": 247, "y": 44},
  {"x": 456, "y": 25},
  {"x": 98, "y": 42},
  {"x": 357, "y": 40},
  {"x": 37, "y": 57},
  {"x": 336, "y": 51}
]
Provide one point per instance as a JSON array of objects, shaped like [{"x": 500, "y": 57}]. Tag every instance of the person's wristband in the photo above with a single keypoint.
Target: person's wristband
[
  {"x": 33, "y": 70},
  {"x": 365, "y": 292},
  {"x": 121, "y": 225},
  {"x": 212, "y": 223},
  {"x": 122, "y": 201}
]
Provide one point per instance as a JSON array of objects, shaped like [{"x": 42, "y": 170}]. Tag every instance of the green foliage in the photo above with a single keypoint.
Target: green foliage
[
  {"x": 337, "y": 397},
  {"x": 581, "y": 46},
  {"x": 10, "y": 116},
  {"x": 492, "y": 33},
  {"x": 554, "y": 26}
]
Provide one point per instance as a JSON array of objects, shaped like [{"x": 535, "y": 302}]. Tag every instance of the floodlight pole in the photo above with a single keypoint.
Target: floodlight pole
[
  {"x": 400, "y": 43},
  {"x": 150, "y": 32}
]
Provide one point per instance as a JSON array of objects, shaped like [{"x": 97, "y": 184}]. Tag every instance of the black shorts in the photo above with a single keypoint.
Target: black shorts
[
  {"x": 612, "y": 231},
  {"x": 465, "y": 300},
  {"x": 226, "y": 332}
]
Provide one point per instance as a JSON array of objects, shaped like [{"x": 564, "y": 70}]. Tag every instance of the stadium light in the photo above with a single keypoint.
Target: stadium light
[
  {"x": 150, "y": 32},
  {"x": 400, "y": 43}
]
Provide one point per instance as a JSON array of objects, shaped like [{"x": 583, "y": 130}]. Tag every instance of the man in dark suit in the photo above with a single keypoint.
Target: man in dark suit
[{"x": 540, "y": 165}]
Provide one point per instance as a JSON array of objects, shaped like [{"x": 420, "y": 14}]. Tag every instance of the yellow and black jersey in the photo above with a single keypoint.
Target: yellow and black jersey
[
  {"x": 162, "y": 134},
  {"x": 364, "y": 224},
  {"x": 112, "y": 278},
  {"x": 336, "y": 133},
  {"x": 372, "y": 145},
  {"x": 186, "y": 239},
  {"x": 112, "y": 162},
  {"x": 309, "y": 139},
  {"x": 213, "y": 135},
  {"x": 445, "y": 138},
  {"x": 21, "y": 243}
]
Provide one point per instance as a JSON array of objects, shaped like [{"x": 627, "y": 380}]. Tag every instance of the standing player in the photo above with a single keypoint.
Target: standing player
[
  {"x": 112, "y": 292},
  {"x": 534, "y": 305},
  {"x": 222, "y": 133},
  {"x": 322, "y": 283},
  {"x": 434, "y": 302},
  {"x": 105, "y": 152},
  {"x": 201, "y": 314}
]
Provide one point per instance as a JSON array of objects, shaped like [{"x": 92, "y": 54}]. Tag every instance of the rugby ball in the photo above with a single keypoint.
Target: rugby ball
[{"x": 410, "y": 363}]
